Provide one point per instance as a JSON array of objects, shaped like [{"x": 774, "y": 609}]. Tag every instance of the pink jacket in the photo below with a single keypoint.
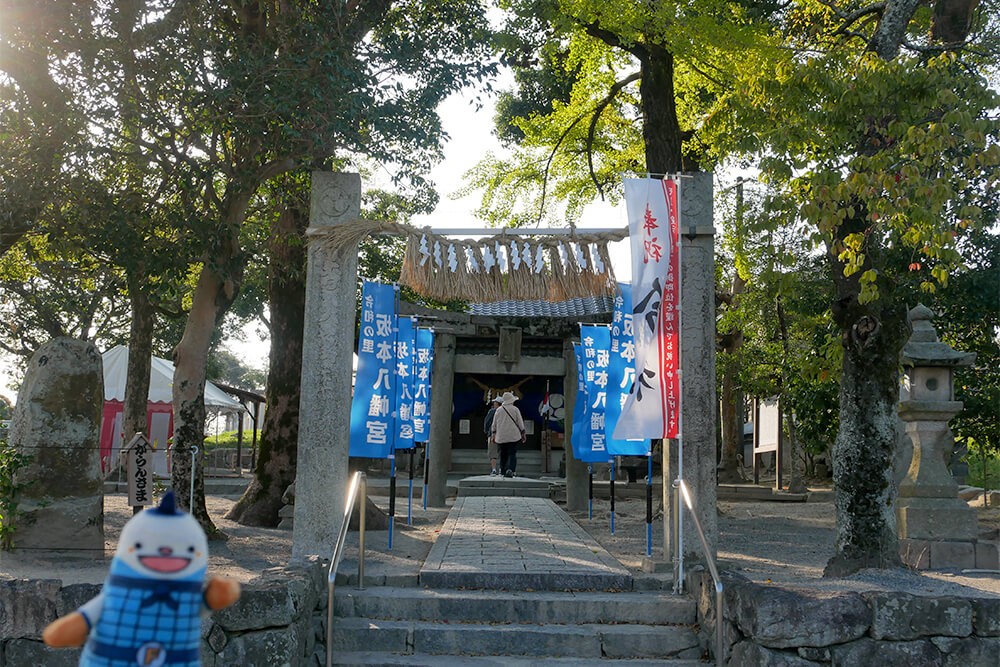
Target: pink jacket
[{"x": 508, "y": 425}]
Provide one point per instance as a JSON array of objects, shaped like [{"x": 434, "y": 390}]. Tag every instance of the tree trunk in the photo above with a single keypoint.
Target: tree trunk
[
  {"x": 661, "y": 132},
  {"x": 140, "y": 353},
  {"x": 731, "y": 408},
  {"x": 217, "y": 287},
  {"x": 795, "y": 457},
  {"x": 873, "y": 334},
  {"x": 864, "y": 485},
  {"x": 732, "y": 399},
  {"x": 276, "y": 462}
]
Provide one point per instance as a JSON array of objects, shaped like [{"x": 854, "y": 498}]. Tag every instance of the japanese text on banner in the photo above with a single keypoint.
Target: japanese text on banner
[
  {"x": 424, "y": 368},
  {"x": 652, "y": 408},
  {"x": 595, "y": 347},
  {"x": 405, "y": 342},
  {"x": 621, "y": 373},
  {"x": 374, "y": 402}
]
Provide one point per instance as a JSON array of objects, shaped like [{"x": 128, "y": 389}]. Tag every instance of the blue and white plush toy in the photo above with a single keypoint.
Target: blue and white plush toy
[{"x": 148, "y": 614}]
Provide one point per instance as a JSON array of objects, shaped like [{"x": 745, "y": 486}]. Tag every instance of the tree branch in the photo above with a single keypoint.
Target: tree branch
[
  {"x": 592, "y": 130},
  {"x": 362, "y": 16},
  {"x": 891, "y": 28},
  {"x": 611, "y": 39}
]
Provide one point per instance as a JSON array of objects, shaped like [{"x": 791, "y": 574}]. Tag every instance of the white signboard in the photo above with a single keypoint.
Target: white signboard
[
  {"x": 139, "y": 460},
  {"x": 767, "y": 426}
]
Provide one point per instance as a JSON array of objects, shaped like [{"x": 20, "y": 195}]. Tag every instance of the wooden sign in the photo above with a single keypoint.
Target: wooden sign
[{"x": 139, "y": 465}]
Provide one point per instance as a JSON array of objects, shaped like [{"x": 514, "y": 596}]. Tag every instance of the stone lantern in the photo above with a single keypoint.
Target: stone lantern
[{"x": 937, "y": 529}]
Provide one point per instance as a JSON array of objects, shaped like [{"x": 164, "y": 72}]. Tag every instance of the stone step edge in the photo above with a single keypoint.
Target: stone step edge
[
  {"x": 486, "y": 594},
  {"x": 586, "y": 640},
  {"x": 367, "y": 658},
  {"x": 557, "y": 608},
  {"x": 349, "y": 578}
]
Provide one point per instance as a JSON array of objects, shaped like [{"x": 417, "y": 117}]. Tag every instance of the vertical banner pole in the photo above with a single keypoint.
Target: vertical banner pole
[
  {"x": 427, "y": 469},
  {"x": 679, "y": 580},
  {"x": 611, "y": 462},
  {"x": 649, "y": 503},
  {"x": 409, "y": 497},
  {"x": 590, "y": 491},
  {"x": 392, "y": 495},
  {"x": 194, "y": 459}
]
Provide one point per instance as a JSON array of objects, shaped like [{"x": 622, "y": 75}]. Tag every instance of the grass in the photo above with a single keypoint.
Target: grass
[
  {"x": 984, "y": 472},
  {"x": 228, "y": 439}
]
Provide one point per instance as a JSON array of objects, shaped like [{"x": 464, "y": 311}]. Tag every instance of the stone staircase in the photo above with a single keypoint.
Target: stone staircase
[
  {"x": 410, "y": 625},
  {"x": 487, "y": 485},
  {"x": 474, "y": 462}
]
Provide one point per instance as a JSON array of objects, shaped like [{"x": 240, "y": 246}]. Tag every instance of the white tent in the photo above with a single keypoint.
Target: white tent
[
  {"x": 161, "y": 381},
  {"x": 160, "y": 418}
]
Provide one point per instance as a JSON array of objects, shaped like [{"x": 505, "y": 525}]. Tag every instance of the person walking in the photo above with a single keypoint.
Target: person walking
[
  {"x": 508, "y": 430},
  {"x": 492, "y": 450}
]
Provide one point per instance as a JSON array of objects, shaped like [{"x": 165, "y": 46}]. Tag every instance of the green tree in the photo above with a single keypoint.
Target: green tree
[
  {"x": 220, "y": 99},
  {"x": 875, "y": 120}
]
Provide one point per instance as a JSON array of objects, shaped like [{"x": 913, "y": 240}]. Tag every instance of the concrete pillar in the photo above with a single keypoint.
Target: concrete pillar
[
  {"x": 576, "y": 471},
  {"x": 327, "y": 350},
  {"x": 442, "y": 400},
  {"x": 698, "y": 361}
]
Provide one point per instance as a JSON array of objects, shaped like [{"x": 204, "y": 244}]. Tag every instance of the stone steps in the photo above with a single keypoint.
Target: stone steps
[
  {"x": 487, "y": 485},
  {"x": 417, "y": 626},
  {"x": 368, "y": 659},
  {"x": 474, "y": 461}
]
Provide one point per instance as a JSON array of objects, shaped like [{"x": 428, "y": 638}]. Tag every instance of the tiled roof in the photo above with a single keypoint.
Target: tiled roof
[{"x": 579, "y": 307}]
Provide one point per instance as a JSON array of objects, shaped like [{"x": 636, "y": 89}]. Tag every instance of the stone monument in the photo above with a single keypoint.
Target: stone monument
[
  {"x": 57, "y": 423},
  {"x": 937, "y": 529}
]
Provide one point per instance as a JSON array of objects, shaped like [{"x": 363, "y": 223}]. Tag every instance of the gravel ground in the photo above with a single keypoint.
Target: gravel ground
[{"x": 781, "y": 542}]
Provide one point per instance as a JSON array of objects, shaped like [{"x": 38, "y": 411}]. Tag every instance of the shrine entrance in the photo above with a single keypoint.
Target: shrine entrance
[{"x": 570, "y": 266}]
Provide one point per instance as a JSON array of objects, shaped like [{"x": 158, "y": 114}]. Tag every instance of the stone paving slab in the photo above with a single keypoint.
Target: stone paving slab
[{"x": 518, "y": 543}]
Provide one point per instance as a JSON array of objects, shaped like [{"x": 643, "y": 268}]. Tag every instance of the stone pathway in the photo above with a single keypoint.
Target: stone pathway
[{"x": 504, "y": 542}]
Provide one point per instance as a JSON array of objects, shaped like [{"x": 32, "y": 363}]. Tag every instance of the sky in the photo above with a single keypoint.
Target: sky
[{"x": 470, "y": 139}]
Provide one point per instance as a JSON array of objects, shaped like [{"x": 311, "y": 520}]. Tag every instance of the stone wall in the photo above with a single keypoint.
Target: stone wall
[
  {"x": 278, "y": 621},
  {"x": 772, "y": 626}
]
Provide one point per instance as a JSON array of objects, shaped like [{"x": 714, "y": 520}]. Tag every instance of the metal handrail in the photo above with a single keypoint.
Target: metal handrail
[
  {"x": 719, "y": 601},
  {"x": 358, "y": 482}
]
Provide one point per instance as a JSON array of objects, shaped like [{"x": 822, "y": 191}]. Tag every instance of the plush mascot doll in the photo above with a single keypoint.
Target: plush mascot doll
[{"x": 148, "y": 614}]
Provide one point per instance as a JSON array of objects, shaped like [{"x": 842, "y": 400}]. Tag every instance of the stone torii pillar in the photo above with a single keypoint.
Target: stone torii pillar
[
  {"x": 442, "y": 399},
  {"x": 327, "y": 351}
]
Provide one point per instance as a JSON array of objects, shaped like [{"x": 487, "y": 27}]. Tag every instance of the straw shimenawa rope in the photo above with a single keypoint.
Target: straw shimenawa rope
[{"x": 526, "y": 268}]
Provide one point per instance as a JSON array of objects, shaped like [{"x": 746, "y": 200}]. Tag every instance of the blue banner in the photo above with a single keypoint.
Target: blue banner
[
  {"x": 595, "y": 348},
  {"x": 372, "y": 431},
  {"x": 621, "y": 373},
  {"x": 422, "y": 385},
  {"x": 405, "y": 333},
  {"x": 580, "y": 432}
]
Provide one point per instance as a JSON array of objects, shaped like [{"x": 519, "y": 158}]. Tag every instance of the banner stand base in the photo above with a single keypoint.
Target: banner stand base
[{"x": 656, "y": 566}]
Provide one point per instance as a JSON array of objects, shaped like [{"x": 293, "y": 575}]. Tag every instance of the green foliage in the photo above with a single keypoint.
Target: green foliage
[
  {"x": 226, "y": 368},
  {"x": 11, "y": 462},
  {"x": 229, "y": 439},
  {"x": 909, "y": 146},
  {"x": 984, "y": 467}
]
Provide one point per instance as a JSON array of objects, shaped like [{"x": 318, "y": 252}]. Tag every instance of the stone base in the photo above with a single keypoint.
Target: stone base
[
  {"x": 287, "y": 516},
  {"x": 656, "y": 566},
  {"x": 949, "y": 554},
  {"x": 65, "y": 523},
  {"x": 936, "y": 519}
]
